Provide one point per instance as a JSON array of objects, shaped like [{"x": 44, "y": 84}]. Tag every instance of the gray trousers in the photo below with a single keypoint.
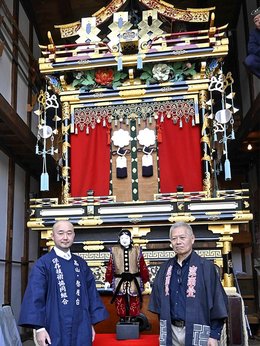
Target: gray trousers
[{"x": 178, "y": 336}]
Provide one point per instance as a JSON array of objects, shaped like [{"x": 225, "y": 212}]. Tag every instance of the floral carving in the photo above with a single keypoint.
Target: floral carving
[
  {"x": 175, "y": 72},
  {"x": 91, "y": 79},
  {"x": 161, "y": 72},
  {"x": 104, "y": 76}
]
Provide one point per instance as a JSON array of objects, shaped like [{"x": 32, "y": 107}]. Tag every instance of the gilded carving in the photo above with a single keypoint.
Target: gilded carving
[
  {"x": 182, "y": 218},
  {"x": 90, "y": 222}
]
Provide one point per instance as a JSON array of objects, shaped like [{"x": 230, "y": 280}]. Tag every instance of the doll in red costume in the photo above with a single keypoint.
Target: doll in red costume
[{"x": 127, "y": 273}]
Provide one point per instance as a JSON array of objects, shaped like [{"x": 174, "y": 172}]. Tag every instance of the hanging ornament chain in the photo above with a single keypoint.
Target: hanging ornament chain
[{"x": 45, "y": 132}]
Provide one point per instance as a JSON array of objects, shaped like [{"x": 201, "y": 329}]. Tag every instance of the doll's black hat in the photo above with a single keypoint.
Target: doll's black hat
[{"x": 125, "y": 231}]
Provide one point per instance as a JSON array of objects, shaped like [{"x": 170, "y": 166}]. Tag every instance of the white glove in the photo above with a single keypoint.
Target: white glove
[
  {"x": 147, "y": 288},
  {"x": 107, "y": 285}
]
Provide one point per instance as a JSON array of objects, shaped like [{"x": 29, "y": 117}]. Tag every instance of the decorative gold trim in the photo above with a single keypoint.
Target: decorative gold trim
[
  {"x": 68, "y": 30},
  {"x": 183, "y": 218},
  {"x": 243, "y": 217},
  {"x": 227, "y": 246},
  {"x": 93, "y": 242},
  {"x": 93, "y": 247},
  {"x": 95, "y": 264},
  {"x": 106, "y": 12},
  {"x": 135, "y": 92},
  {"x": 168, "y": 10},
  {"x": 247, "y": 205},
  {"x": 205, "y": 139},
  {"x": 225, "y": 229},
  {"x": 46, "y": 235},
  {"x": 228, "y": 280},
  {"x": 206, "y": 158},
  {"x": 66, "y": 25},
  {"x": 90, "y": 222},
  {"x": 207, "y": 184},
  {"x": 36, "y": 224},
  {"x": 141, "y": 241},
  {"x": 219, "y": 262},
  {"x": 135, "y": 216}
]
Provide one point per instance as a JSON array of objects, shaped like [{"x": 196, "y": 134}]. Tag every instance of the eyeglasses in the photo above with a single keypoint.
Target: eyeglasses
[
  {"x": 255, "y": 12},
  {"x": 179, "y": 278}
]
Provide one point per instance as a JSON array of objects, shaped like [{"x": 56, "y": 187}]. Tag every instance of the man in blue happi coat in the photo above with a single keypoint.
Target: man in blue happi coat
[
  {"x": 187, "y": 295},
  {"x": 252, "y": 61},
  {"x": 61, "y": 300}
]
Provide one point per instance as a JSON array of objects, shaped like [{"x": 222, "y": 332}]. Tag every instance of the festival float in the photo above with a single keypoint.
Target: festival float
[{"x": 138, "y": 112}]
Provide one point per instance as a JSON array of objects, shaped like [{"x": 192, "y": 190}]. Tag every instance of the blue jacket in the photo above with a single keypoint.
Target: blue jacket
[
  {"x": 206, "y": 300},
  {"x": 46, "y": 301},
  {"x": 254, "y": 43}
]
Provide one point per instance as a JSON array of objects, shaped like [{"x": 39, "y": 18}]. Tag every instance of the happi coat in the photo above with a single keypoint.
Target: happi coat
[
  {"x": 252, "y": 61},
  {"x": 46, "y": 295},
  {"x": 206, "y": 300}
]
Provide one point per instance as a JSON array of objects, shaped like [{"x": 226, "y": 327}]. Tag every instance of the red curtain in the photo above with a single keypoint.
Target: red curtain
[
  {"x": 90, "y": 162},
  {"x": 180, "y": 157}
]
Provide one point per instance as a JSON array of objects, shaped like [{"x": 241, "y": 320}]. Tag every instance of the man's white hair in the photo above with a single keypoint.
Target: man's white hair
[{"x": 181, "y": 224}]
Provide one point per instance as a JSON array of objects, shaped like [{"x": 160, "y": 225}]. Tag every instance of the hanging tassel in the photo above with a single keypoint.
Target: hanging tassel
[
  {"x": 159, "y": 134},
  {"x": 119, "y": 63},
  {"x": 87, "y": 130},
  {"x": 215, "y": 137},
  {"x": 108, "y": 134},
  {"x": 37, "y": 149},
  {"x": 45, "y": 182},
  {"x": 76, "y": 130},
  {"x": 192, "y": 122},
  {"x": 139, "y": 62},
  {"x": 104, "y": 122},
  {"x": 227, "y": 170},
  {"x": 180, "y": 123},
  {"x": 138, "y": 120},
  {"x": 150, "y": 120},
  {"x": 232, "y": 134}
]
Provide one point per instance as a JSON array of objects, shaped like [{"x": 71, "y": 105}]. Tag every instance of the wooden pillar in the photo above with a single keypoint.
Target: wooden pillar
[
  {"x": 225, "y": 242},
  {"x": 15, "y": 56},
  {"x": 25, "y": 258},
  {"x": 205, "y": 142},
  {"x": 9, "y": 233},
  {"x": 11, "y": 173},
  {"x": 227, "y": 261},
  {"x": 65, "y": 152}
]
